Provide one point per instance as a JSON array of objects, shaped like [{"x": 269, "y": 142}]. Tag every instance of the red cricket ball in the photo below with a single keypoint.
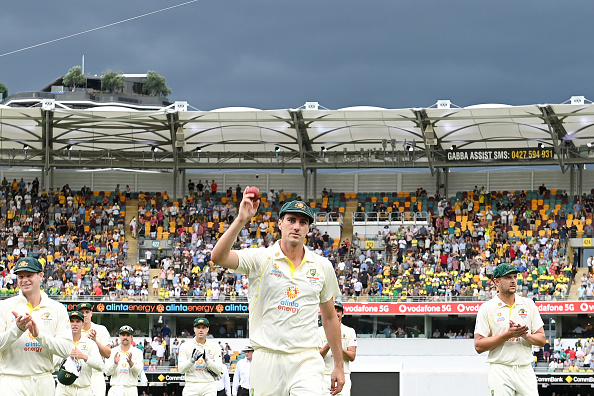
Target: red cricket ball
[{"x": 253, "y": 190}]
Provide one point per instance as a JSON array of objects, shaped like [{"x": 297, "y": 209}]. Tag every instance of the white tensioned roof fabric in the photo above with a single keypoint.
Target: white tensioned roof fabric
[{"x": 246, "y": 130}]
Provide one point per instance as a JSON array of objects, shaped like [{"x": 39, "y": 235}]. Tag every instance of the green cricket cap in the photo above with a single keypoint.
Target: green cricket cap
[
  {"x": 84, "y": 305},
  {"x": 298, "y": 207},
  {"x": 505, "y": 269},
  {"x": 76, "y": 314},
  {"x": 201, "y": 321},
  {"x": 29, "y": 264},
  {"x": 126, "y": 329}
]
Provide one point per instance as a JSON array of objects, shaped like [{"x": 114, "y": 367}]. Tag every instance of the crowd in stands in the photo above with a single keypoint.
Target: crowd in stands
[
  {"x": 80, "y": 235},
  {"x": 575, "y": 358},
  {"x": 452, "y": 255}
]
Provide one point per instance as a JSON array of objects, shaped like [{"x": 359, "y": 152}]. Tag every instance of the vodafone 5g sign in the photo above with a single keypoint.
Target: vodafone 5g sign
[{"x": 456, "y": 308}]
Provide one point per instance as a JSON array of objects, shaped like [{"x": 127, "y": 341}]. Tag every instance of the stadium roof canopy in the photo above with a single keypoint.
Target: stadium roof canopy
[{"x": 53, "y": 136}]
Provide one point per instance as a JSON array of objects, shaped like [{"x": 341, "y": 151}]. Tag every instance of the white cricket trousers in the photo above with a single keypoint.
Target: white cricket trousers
[
  {"x": 71, "y": 390},
  {"x": 286, "y": 374},
  {"x": 38, "y": 385},
  {"x": 120, "y": 390},
  {"x": 507, "y": 380},
  {"x": 98, "y": 384},
  {"x": 200, "y": 389},
  {"x": 346, "y": 389}
]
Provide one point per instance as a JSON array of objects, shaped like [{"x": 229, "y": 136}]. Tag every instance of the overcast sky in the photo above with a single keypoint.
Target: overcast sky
[{"x": 280, "y": 54}]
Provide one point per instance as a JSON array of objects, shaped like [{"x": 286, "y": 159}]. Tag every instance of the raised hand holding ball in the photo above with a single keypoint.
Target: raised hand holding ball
[{"x": 253, "y": 190}]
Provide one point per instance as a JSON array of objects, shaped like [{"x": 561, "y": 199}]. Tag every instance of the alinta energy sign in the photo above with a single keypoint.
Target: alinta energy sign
[{"x": 164, "y": 307}]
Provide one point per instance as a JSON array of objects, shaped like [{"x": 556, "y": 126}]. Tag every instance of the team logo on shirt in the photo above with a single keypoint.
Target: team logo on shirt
[
  {"x": 311, "y": 276},
  {"x": 46, "y": 316},
  {"x": 292, "y": 292},
  {"x": 500, "y": 318},
  {"x": 33, "y": 345},
  {"x": 523, "y": 314},
  {"x": 289, "y": 305},
  {"x": 276, "y": 271}
]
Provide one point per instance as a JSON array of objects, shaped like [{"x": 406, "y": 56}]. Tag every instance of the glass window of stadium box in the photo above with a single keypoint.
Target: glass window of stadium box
[
  {"x": 363, "y": 325},
  {"x": 452, "y": 324},
  {"x": 220, "y": 326},
  {"x": 140, "y": 323},
  {"x": 576, "y": 326}
]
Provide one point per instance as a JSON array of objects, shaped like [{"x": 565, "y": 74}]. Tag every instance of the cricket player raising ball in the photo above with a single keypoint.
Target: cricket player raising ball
[
  {"x": 507, "y": 326},
  {"x": 288, "y": 285}
]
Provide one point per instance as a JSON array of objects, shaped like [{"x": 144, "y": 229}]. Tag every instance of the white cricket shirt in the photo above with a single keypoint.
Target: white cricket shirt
[
  {"x": 348, "y": 338},
  {"x": 102, "y": 338},
  {"x": 122, "y": 373},
  {"x": 493, "y": 319},
  {"x": 196, "y": 372},
  {"x": 24, "y": 355},
  {"x": 284, "y": 300}
]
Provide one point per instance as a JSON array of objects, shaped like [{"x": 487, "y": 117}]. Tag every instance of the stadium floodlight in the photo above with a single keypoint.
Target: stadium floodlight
[
  {"x": 154, "y": 149},
  {"x": 453, "y": 147},
  {"x": 589, "y": 144},
  {"x": 26, "y": 147},
  {"x": 69, "y": 147},
  {"x": 410, "y": 148},
  {"x": 324, "y": 149},
  {"x": 541, "y": 145},
  {"x": 198, "y": 149},
  {"x": 276, "y": 149}
]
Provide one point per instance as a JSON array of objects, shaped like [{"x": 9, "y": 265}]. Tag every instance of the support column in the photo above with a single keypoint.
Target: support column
[
  {"x": 572, "y": 188},
  {"x": 438, "y": 175},
  {"x": 183, "y": 183},
  {"x": 305, "y": 186},
  {"x": 488, "y": 187},
  {"x": 428, "y": 323},
  {"x": 579, "y": 181},
  {"x": 356, "y": 182},
  {"x": 314, "y": 193},
  {"x": 532, "y": 179},
  {"x": 268, "y": 182},
  {"x": 399, "y": 181},
  {"x": 446, "y": 174}
]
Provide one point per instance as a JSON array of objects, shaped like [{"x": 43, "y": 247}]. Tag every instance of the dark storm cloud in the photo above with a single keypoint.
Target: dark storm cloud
[{"x": 279, "y": 54}]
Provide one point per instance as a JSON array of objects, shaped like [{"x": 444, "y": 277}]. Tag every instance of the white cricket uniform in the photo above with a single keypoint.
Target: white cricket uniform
[
  {"x": 199, "y": 382},
  {"x": 82, "y": 385},
  {"x": 510, "y": 370},
  {"x": 349, "y": 339},
  {"x": 98, "y": 378},
  {"x": 241, "y": 378},
  {"x": 27, "y": 363},
  {"x": 284, "y": 305},
  {"x": 124, "y": 378}
]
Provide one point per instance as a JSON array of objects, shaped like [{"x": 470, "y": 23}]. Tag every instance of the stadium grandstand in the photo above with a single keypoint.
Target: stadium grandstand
[{"x": 414, "y": 207}]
